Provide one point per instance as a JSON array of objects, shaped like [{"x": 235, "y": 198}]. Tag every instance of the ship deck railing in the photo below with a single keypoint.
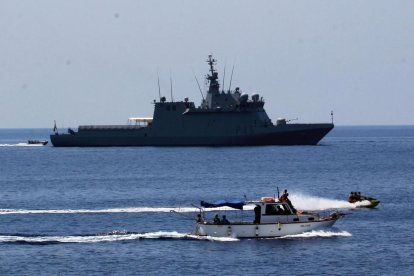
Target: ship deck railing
[{"x": 110, "y": 127}]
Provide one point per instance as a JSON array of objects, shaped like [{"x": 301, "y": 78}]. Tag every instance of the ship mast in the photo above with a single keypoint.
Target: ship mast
[{"x": 214, "y": 85}]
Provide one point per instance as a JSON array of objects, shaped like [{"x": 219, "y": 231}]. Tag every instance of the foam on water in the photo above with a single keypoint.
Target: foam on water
[
  {"x": 112, "y": 210},
  {"x": 93, "y": 211},
  {"x": 108, "y": 237},
  {"x": 318, "y": 234},
  {"x": 160, "y": 235},
  {"x": 21, "y": 145}
]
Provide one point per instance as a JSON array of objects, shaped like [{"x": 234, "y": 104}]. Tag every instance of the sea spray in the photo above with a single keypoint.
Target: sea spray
[{"x": 303, "y": 201}]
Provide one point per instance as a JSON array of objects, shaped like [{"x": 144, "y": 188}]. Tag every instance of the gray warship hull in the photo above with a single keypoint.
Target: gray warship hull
[
  {"x": 127, "y": 136},
  {"x": 224, "y": 118}
]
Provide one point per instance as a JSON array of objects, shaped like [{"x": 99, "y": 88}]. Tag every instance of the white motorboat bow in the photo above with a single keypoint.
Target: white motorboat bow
[{"x": 272, "y": 218}]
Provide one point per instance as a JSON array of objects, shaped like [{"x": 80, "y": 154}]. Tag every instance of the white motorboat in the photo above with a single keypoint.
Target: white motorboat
[{"x": 270, "y": 218}]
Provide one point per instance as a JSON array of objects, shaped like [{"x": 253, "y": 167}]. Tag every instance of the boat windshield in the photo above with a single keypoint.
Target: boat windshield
[{"x": 277, "y": 209}]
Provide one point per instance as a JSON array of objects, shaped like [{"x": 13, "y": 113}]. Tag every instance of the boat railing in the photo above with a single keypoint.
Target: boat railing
[{"x": 109, "y": 127}]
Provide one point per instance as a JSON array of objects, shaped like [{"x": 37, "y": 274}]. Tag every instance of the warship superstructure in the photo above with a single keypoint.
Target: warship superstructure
[{"x": 224, "y": 118}]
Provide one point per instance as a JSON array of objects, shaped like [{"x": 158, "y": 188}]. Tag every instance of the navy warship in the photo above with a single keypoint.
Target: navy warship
[{"x": 224, "y": 118}]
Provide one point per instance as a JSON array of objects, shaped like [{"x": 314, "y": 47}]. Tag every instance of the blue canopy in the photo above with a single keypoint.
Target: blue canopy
[{"x": 236, "y": 204}]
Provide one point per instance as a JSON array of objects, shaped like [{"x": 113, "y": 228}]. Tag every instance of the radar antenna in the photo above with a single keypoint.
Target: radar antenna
[
  {"x": 211, "y": 61},
  {"x": 171, "y": 88},
  {"x": 159, "y": 87},
  {"x": 231, "y": 78},
  {"x": 224, "y": 76},
  {"x": 214, "y": 85},
  {"x": 199, "y": 88}
]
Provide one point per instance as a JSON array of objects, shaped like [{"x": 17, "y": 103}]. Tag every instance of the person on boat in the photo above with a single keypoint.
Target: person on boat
[
  {"x": 285, "y": 198},
  {"x": 224, "y": 220},
  {"x": 351, "y": 197},
  {"x": 279, "y": 210},
  {"x": 257, "y": 211},
  {"x": 199, "y": 219},
  {"x": 216, "y": 219}
]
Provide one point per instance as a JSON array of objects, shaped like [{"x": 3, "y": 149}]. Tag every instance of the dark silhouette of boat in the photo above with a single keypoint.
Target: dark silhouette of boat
[
  {"x": 224, "y": 118},
  {"x": 37, "y": 142}
]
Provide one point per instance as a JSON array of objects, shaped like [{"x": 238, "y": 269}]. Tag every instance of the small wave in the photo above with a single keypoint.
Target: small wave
[
  {"x": 108, "y": 237},
  {"x": 318, "y": 234}
]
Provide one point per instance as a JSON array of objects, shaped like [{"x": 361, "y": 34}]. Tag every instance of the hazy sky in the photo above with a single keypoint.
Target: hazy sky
[{"x": 96, "y": 62}]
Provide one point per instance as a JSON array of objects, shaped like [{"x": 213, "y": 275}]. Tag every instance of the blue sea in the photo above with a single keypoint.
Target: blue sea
[{"x": 107, "y": 211}]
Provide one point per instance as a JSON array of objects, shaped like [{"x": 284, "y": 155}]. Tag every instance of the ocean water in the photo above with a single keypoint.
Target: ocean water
[{"x": 107, "y": 211}]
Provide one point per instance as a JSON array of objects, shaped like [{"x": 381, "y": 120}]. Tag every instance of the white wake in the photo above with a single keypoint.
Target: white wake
[
  {"x": 92, "y": 211},
  {"x": 21, "y": 145},
  {"x": 111, "y": 237},
  {"x": 160, "y": 235},
  {"x": 318, "y": 234}
]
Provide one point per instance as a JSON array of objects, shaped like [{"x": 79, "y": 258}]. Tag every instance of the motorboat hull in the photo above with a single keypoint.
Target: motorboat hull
[
  {"x": 268, "y": 230},
  {"x": 372, "y": 204}
]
